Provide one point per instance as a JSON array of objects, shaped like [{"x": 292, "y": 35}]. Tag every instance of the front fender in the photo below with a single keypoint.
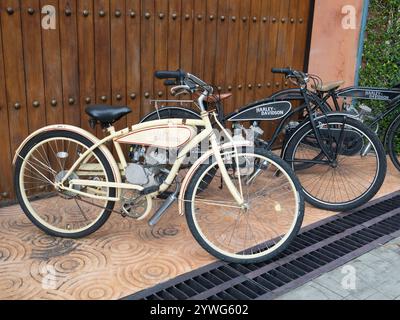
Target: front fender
[
  {"x": 81, "y": 132},
  {"x": 306, "y": 123},
  {"x": 198, "y": 163}
]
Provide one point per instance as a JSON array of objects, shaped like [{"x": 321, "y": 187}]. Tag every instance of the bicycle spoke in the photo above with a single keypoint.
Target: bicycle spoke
[
  {"x": 59, "y": 210},
  {"x": 260, "y": 225}
]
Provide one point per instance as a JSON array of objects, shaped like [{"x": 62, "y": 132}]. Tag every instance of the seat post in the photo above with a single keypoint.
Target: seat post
[{"x": 118, "y": 149}]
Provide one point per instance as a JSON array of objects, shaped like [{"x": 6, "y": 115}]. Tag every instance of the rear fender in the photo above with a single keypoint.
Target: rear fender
[{"x": 80, "y": 131}]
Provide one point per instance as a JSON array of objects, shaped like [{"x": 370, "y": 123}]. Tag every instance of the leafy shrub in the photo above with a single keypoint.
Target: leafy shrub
[{"x": 381, "y": 57}]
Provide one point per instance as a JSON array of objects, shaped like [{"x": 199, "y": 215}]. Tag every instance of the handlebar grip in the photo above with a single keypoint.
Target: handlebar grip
[
  {"x": 286, "y": 71},
  {"x": 169, "y": 83},
  {"x": 178, "y": 75}
]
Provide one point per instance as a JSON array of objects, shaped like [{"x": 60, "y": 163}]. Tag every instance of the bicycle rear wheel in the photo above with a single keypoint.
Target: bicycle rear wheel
[
  {"x": 43, "y": 162},
  {"x": 264, "y": 227},
  {"x": 353, "y": 178}
]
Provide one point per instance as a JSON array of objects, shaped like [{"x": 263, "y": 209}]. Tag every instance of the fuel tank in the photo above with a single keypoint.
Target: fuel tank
[
  {"x": 164, "y": 136},
  {"x": 268, "y": 111}
]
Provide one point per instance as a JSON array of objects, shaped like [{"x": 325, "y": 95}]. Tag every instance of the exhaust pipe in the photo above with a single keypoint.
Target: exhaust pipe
[{"x": 165, "y": 206}]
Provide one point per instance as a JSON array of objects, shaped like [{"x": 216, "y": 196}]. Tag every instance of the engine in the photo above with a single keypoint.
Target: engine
[{"x": 148, "y": 168}]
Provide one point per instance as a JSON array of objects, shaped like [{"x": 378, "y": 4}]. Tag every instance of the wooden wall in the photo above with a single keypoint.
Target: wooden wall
[{"x": 105, "y": 51}]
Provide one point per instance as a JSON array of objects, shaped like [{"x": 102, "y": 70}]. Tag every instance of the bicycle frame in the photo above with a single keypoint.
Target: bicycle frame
[
  {"x": 298, "y": 94},
  {"x": 310, "y": 110},
  {"x": 206, "y": 133},
  {"x": 392, "y": 97}
]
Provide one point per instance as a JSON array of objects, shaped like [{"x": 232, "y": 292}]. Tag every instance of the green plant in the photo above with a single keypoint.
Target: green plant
[{"x": 381, "y": 57}]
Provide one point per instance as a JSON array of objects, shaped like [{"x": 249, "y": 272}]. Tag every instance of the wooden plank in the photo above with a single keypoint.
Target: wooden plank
[
  {"x": 6, "y": 189},
  {"x": 161, "y": 45},
  {"x": 118, "y": 57},
  {"x": 264, "y": 43},
  {"x": 102, "y": 52},
  {"x": 69, "y": 61},
  {"x": 270, "y": 60},
  {"x": 52, "y": 70},
  {"x": 187, "y": 44},
  {"x": 133, "y": 59},
  {"x": 291, "y": 37},
  {"x": 232, "y": 49},
  {"x": 272, "y": 45},
  {"x": 243, "y": 47},
  {"x": 147, "y": 52},
  {"x": 87, "y": 85},
  {"x": 32, "y": 40},
  {"x": 303, "y": 18},
  {"x": 291, "y": 31},
  {"x": 222, "y": 43},
  {"x": 199, "y": 37},
  {"x": 252, "y": 52},
  {"x": 211, "y": 41},
  {"x": 174, "y": 35},
  {"x": 14, "y": 72},
  {"x": 282, "y": 43}
]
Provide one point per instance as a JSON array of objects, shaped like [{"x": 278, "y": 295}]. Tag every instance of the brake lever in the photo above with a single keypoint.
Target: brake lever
[
  {"x": 178, "y": 90},
  {"x": 176, "y": 94}
]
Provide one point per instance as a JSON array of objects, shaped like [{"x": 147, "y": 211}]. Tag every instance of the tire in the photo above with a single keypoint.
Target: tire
[
  {"x": 364, "y": 197},
  {"x": 103, "y": 217},
  {"x": 392, "y": 142},
  {"x": 189, "y": 194}
]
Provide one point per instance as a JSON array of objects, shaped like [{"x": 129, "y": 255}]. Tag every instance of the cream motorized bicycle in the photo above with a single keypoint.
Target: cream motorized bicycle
[{"x": 67, "y": 181}]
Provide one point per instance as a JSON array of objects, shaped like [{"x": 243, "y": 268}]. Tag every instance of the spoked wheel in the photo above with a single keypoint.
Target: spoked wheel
[
  {"x": 42, "y": 164},
  {"x": 355, "y": 175},
  {"x": 352, "y": 144},
  {"x": 393, "y": 143},
  {"x": 264, "y": 226}
]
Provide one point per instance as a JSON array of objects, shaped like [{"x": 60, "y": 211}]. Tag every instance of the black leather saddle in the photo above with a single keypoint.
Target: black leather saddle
[{"x": 105, "y": 114}]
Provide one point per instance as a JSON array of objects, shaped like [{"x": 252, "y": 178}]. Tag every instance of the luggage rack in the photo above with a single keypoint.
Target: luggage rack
[{"x": 164, "y": 103}]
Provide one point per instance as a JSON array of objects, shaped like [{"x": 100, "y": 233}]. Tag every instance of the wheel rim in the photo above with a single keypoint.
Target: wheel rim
[
  {"x": 394, "y": 146},
  {"x": 352, "y": 179},
  {"x": 257, "y": 232},
  {"x": 62, "y": 212}
]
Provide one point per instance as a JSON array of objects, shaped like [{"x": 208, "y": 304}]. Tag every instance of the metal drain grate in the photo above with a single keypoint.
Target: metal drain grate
[{"x": 319, "y": 248}]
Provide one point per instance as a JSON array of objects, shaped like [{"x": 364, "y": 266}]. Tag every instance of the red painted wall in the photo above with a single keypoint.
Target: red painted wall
[{"x": 333, "y": 54}]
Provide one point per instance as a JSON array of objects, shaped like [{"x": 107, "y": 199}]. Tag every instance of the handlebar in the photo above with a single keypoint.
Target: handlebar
[
  {"x": 178, "y": 75},
  {"x": 183, "y": 79},
  {"x": 286, "y": 71},
  {"x": 297, "y": 77}
]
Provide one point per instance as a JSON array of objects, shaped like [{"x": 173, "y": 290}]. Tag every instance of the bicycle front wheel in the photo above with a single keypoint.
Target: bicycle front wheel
[
  {"x": 393, "y": 143},
  {"x": 258, "y": 231}
]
